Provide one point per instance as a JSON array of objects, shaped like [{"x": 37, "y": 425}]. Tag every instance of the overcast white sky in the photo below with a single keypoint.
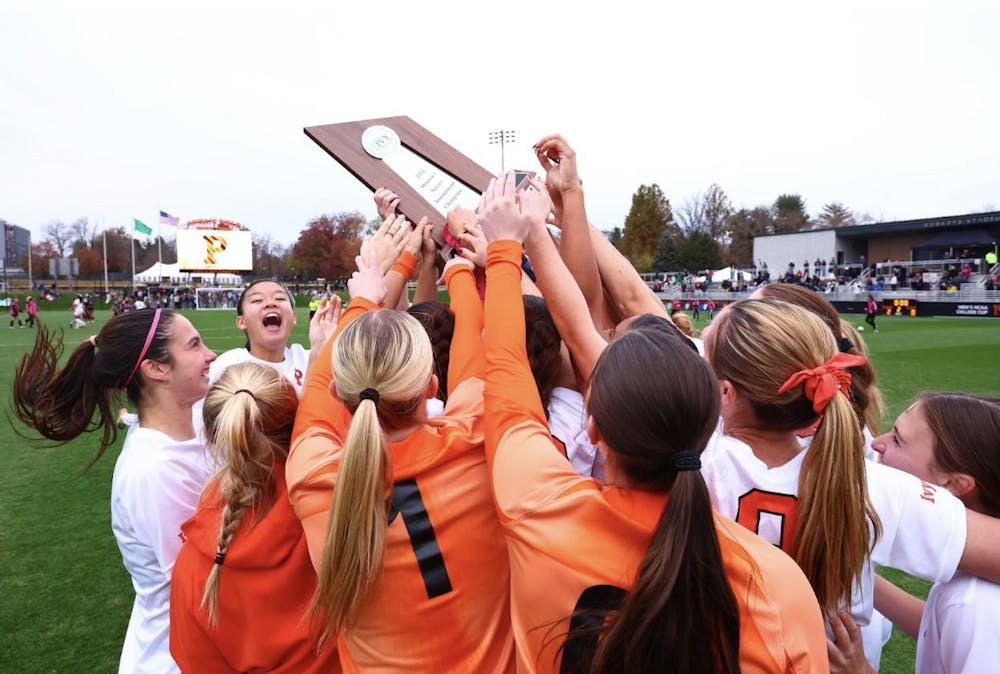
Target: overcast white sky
[{"x": 113, "y": 114}]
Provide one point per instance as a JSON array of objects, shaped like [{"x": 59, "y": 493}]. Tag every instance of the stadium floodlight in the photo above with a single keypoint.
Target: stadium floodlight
[{"x": 502, "y": 137}]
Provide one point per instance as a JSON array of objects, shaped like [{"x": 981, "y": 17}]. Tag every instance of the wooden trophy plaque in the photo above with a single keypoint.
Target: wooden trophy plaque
[{"x": 430, "y": 176}]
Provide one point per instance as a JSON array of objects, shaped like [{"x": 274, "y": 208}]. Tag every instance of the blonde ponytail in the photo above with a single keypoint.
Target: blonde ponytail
[
  {"x": 382, "y": 364},
  {"x": 832, "y": 538},
  {"x": 248, "y": 419},
  {"x": 355, "y": 539}
]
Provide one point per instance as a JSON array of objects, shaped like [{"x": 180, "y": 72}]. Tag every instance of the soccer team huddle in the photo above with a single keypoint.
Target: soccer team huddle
[{"x": 543, "y": 475}]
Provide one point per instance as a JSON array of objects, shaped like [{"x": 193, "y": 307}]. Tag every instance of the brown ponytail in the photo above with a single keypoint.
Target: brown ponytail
[
  {"x": 249, "y": 414},
  {"x": 60, "y": 404},
  {"x": 681, "y": 614}
]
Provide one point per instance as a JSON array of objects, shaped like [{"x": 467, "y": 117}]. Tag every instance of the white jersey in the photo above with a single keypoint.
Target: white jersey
[
  {"x": 155, "y": 488},
  {"x": 293, "y": 367},
  {"x": 568, "y": 424},
  {"x": 960, "y": 630},
  {"x": 923, "y": 527}
]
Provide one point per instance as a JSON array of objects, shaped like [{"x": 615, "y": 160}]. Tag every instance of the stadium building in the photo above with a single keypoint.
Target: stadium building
[{"x": 931, "y": 266}]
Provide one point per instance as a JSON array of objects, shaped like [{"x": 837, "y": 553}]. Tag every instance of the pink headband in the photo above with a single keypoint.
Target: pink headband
[{"x": 145, "y": 347}]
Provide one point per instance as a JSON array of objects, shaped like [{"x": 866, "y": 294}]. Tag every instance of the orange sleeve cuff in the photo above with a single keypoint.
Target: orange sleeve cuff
[
  {"x": 504, "y": 250},
  {"x": 405, "y": 264},
  {"x": 456, "y": 269}
]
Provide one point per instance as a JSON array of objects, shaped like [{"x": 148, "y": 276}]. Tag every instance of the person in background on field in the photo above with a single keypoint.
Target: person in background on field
[
  {"x": 15, "y": 313},
  {"x": 871, "y": 309},
  {"x": 314, "y": 304},
  {"x": 158, "y": 359},
  {"x": 710, "y": 305},
  {"x": 683, "y": 323},
  {"x": 31, "y": 308},
  {"x": 243, "y": 580}
]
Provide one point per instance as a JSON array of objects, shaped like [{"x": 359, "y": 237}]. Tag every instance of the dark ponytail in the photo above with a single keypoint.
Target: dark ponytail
[
  {"x": 680, "y": 615},
  {"x": 543, "y": 345},
  {"x": 439, "y": 323},
  {"x": 60, "y": 404}
]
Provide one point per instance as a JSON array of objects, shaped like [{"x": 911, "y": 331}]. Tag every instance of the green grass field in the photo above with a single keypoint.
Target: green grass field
[{"x": 65, "y": 597}]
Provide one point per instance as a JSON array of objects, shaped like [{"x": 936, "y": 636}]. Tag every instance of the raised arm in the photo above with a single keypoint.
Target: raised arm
[
  {"x": 565, "y": 300},
  {"x": 525, "y": 469},
  {"x": 466, "y": 358},
  {"x": 628, "y": 293},
  {"x": 561, "y": 178},
  {"x": 319, "y": 408},
  {"x": 426, "y": 290}
]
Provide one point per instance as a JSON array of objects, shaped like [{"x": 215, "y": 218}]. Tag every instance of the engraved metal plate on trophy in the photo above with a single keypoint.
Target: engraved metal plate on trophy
[{"x": 430, "y": 176}]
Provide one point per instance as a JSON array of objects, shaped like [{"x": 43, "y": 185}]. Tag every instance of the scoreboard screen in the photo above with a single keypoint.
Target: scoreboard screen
[{"x": 899, "y": 307}]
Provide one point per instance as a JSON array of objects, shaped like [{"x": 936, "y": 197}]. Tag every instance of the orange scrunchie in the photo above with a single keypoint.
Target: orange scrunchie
[{"x": 822, "y": 383}]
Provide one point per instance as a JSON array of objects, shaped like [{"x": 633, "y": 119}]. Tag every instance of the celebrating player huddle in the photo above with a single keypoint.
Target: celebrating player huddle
[{"x": 580, "y": 493}]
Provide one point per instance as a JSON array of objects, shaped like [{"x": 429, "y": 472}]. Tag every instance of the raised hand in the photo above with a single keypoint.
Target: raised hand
[
  {"x": 324, "y": 321},
  {"x": 536, "y": 205},
  {"x": 386, "y": 202},
  {"x": 415, "y": 239},
  {"x": 390, "y": 240},
  {"x": 500, "y": 213},
  {"x": 473, "y": 245},
  {"x": 367, "y": 281},
  {"x": 559, "y": 161}
]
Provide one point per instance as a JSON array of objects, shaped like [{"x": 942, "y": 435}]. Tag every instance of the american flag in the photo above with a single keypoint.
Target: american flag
[{"x": 167, "y": 219}]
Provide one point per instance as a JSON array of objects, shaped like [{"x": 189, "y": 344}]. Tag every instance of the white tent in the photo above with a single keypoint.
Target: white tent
[
  {"x": 173, "y": 274},
  {"x": 728, "y": 274}
]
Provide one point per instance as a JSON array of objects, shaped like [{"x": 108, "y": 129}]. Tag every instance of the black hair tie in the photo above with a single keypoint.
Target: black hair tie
[
  {"x": 369, "y": 394},
  {"x": 220, "y": 557},
  {"x": 844, "y": 344},
  {"x": 244, "y": 390},
  {"x": 682, "y": 461}
]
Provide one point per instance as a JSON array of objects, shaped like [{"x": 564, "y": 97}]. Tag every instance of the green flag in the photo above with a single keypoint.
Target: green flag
[{"x": 141, "y": 227}]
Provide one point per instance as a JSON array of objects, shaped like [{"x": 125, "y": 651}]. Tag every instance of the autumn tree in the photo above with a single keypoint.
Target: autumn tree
[
  {"x": 91, "y": 260},
  {"x": 835, "y": 214},
  {"x": 648, "y": 218},
  {"x": 744, "y": 225},
  {"x": 789, "y": 214},
  {"x": 327, "y": 246},
  {"x": 41, "y": 253}
]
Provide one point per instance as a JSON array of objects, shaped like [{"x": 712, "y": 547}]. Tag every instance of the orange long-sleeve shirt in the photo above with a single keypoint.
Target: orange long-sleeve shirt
[
  {"x": 575, "y": 544},
  {"x": 265, "y": 587},
  {"x": 442, "y": 601}
]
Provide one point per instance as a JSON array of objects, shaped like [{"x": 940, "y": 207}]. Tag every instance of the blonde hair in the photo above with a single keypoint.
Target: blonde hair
[
  {"x": 248, "y": 414},
  {"x": 757, "y": 345},
  {"x": 388, "y": 354},
  {"x": 683, "y": 323}
]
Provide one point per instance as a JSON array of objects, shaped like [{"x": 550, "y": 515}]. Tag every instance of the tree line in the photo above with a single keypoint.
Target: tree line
[
  {"x": 705, "y": 232},
  {"x": 325, "y": 248}
]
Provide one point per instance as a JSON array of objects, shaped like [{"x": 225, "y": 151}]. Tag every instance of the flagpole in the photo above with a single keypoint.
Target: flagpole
[
  {"x": 31, "y": 281},
  {"x": 131, "y": 239},
  {"x": 107, "y": 288}
]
